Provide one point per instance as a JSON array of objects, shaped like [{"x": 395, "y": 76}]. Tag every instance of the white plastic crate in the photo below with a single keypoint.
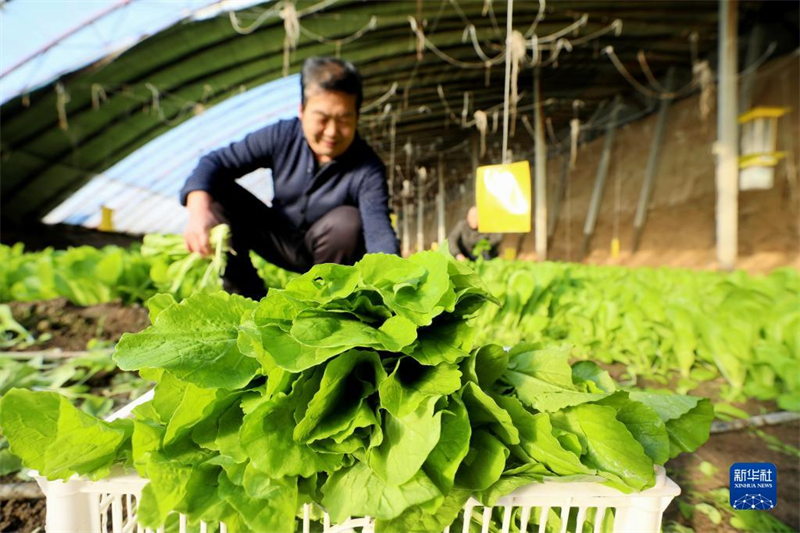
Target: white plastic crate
[{"x": 109, "y": 505}]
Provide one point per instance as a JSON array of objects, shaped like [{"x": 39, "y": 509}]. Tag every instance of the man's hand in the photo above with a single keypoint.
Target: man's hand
[
  {"x": 201, "y": 220},
  {"x": 461, "y": 257}
]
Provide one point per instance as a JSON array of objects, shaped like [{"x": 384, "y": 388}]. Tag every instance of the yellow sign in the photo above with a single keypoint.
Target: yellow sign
[{"x": 503, "y": 195}]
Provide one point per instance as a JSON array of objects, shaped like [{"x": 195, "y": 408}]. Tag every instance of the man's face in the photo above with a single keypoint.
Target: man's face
[
  {"x": 329, "y": 121},
  {"x": 472, "y": 217}
]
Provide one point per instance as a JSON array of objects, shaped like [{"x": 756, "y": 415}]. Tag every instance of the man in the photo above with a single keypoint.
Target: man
[
  {"x": 331, "y": 198},
  {"x": 465, "y": 236}
]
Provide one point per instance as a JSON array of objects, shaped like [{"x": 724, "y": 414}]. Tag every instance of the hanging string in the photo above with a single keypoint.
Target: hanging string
[
  {"x": 62, "y": 99},
  {"x": 377, "y": 103},
  {"x": 495, "y": 120},
  {"x": 551, "y": 132},
  {"x": 481, "y": 122},
  {"x": 371, "y": 25},
  {"x": 517, "y": 44},
  {"x": 98, "y": 95},
  {"x": 447, "y": 108},
  {"x": 693, "y": 39},
  {"x": 470, "y": 32},
  {"x": 433, "y": 48},
  {"x": 537, "y": 20},
  {"x": 574, "y": 132},
  {"x": 238, "y": 28},
  {"x": 156, "y": 96},
  {"x": 536, "y": 54},
  {"x": 273, "y": 12},
  {"x": 648, "y": 73},
  {"x": 561, "y": 44},
  {"x": 701, "y": 74},
  {"x": 156, "y": 108},
  {"x": 529, "y": 127},
  {"x": 563, "y": 31},
  {"x": 420, "y": 41},
  {"x": 615, "y": 26},
  {"x": 291, "y": 24},
  {"x": 465, "y": 109},
  {"x": 489, "y": 8},
  {"x": 609, "y": 51}
]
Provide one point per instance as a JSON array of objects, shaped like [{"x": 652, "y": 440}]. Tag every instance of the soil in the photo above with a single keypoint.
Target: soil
[
  {"x": 765, "y": 242},
  {"x": 22, "y": 516},
  {"x": 72, "y": 326},
  {"x": 723, "y": 450}
]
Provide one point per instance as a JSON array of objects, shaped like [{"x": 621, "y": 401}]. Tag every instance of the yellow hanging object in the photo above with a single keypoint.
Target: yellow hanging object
[
  {"x": 615, "y": 248},
  {"x": 106, "y": 219},
  {"x": 393, "y": 220},
  {"x": 509, "y": 253},
  {"x": 503, "y": 196},
  {"x": 434, "y": 246},
  {"x": 758, "y": 155}
]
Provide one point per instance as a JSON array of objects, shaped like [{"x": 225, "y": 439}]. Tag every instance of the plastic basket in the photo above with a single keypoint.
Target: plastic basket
[{"x": 109, "y": 506}]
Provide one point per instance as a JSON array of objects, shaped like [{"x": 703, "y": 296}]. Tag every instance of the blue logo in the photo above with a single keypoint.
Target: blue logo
[{"x": 754, "y": 486}]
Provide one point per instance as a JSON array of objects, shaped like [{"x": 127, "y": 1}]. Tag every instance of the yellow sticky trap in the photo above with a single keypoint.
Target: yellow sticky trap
[
  {"x": 106, "y": 219},
  {"x": 393, "y": 220},
  {"x": 615, "y": 248},
  {"x": 503, "y": 196},
  {"x": 509, "y": 254}
]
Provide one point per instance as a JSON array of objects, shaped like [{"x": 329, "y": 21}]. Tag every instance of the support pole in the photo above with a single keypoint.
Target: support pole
[
  {"x": 652, "y": 163},
  {"x": 540, "y": 227},
  {"x": 559, "y": 197},
  {"x": 441, "y": 233},
  {"x": 506, "y": 94},
  {"x": 600, "y": 180},
  {"x": 406, "y": 246},
  {"x": 392, "y": 155},
  {"x": 475, "y": 163},
  {"x": 422, "y": 174},
  {"x": 727, "y": 132}
]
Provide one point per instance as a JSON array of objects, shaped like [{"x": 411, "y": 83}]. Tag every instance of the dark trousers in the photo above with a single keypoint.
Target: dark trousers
[{"x": 337, "y": 237}]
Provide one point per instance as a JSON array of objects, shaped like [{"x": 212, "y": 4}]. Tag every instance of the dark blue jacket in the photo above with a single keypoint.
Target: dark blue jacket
[{"x": 304, "y": 191}]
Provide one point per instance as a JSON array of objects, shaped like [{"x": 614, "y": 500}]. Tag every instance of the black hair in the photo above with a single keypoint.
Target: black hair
[{"x": 331, "y": 74}]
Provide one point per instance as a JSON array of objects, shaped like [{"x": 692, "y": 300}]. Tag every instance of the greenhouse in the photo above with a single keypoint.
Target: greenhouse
[{"x": 399, "y": 266}]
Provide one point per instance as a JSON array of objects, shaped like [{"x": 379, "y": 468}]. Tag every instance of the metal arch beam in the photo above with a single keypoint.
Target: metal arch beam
[{"x": 373, "y": 62}]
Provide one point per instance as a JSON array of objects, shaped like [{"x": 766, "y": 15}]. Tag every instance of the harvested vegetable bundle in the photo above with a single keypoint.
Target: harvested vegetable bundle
[
  {"x": 180, "y": 272},
  {"x": 358, "y": 388}
]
